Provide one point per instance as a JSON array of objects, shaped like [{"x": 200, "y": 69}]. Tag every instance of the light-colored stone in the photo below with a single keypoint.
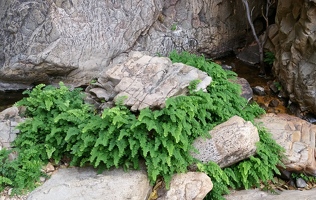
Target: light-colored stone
[
  {"x": 261, "y": 195},
  {"x": 86, "y": 184},
  {"x": 297, "y": 137},
  {"x": 146, "y": 81},
  {"x": 231, "y": 141},
  {"x": 188, "y": 186},
  {"x": 9, "y": 113},
  {"x": 72, "y": 41}
]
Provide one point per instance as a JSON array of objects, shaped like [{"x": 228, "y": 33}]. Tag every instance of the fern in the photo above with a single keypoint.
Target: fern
[{"x": 61, "y": 125}]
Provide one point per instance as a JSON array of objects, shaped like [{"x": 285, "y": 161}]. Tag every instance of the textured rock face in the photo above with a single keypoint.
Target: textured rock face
[
  {"x": 9, "y": 119},
  {"x": 209, "y": 27},
  {"x": 297, "y": 137},
  {"x": 231, "y": 141},
  {"x": 295, "y": 64},
  {"x": 73, "y": 40},
  {"x": 46, "y": 40},
  {"x": 192, "y": 185},
  {"x": 147, "y": 81},
  {"x": 85, "y": 183}
]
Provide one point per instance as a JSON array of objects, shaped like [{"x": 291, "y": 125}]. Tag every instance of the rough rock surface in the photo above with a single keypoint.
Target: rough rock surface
[
  {"x": 260, "y": 195},
  {"x": 9, "y": 119},
  {"x": 73, "y": 40},
  {"x": 230, "y": 142},
  {"x": 298, "y": 139},
  {"x": 295, "y": 49},
  {"x": 147, "y": 81},
  {"x": 209, "y": 27},
  {"x": 46, "y": 40},
  {"x": 85, "y": 183},
  {"x": 191, "y": 185},
  {"x": 246, "y": 90}
]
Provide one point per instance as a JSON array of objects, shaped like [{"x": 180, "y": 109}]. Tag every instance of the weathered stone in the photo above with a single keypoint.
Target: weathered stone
[
  {"x": 49, "y": 41},
  {"x": 274, "y": 103},
  {"x": 72, "y": 41},
  {"x": 148, "y": 81},
  {"x": 230, "y": 142},
  {"x": 261, "y": 195},
  {"x": 295, "y": 50},
  {"x": 190, "y": 26},
  {"x": 297, "y": 137},
  {"x": 85, "y": 183},
  {"x": 9, "y": 119},
  {"x": 191, "y": 185}
]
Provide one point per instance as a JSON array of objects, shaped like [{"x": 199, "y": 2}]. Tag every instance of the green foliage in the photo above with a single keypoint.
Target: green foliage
[
  {"x": 269, "y": 58},
  {"x": 174, "y": 27},
  {"x": 305, "y": 177},
  {"x": 248, "y": 173},
  {"x": 60, "y": 125}
]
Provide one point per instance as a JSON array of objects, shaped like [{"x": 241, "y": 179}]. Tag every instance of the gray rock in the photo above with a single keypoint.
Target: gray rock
[
  {"x": 85, "y": 184},
  {"x": 297, "y": 137},
  {"x": 300, "y": 183},
  {"x": 191, "y": 185},
  {"x": 261, "y": 195},
  {"x": 246, "y": 90},
  {"x": 72, "y": 41},
  {"x": 230, "y": 142},
  {"x": 258, "y": 90},
  {"x": 249, "y": 55},
  {"x": 147, "y": 81},
  {"x": 49, "y": 41}
]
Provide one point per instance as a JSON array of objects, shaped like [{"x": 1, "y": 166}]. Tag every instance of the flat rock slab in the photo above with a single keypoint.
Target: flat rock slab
[
  {"x": 230, "y": 142},
  {"x": 260, "y": 195},
  {"x": 297, "y": 137},
  {"x": 85, "y": 184},
  {"x": 146, "y": 81}
]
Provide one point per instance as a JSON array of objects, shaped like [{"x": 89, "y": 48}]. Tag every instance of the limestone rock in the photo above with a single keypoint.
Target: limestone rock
[
  {"x": 148, "y": 81},
  {"x": 231, "y": 141},
  {"x": 9, "y": 119},
  {"x": 295, "y": 50},
  {"x": 191, "y": 185},
  {"x": 49, "y": 41},
  {"x": 74, "y": 40},
  {"x": 85, "y": 184},
  {"x": 190, "y": 26},
  {"x": 297, "y": 137},
  {"x": 261, "y": 195}
]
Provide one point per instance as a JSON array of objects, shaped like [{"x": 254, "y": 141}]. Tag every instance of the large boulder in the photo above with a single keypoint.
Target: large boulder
[
  {"x": 230, "y": 142},
  {"x": 85, "y": 183},
  {"x": 297, "y": 137},
  {"x": 146, "y": 81},
  {"x": 73, "y": 40},
  {"x": 295, "y": 50}
]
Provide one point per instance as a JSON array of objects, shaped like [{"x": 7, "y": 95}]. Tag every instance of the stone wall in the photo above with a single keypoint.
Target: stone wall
[{"x": 295, "y": 46}]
